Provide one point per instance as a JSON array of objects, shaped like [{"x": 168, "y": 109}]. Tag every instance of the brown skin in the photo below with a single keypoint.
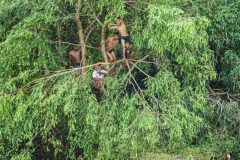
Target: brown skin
[
  {"x": 128, "y": 50},
  {"x": 111, "y": 43},
  {"x": 228, "y": 157},
  {"x": 121, "y": 27},
  {"x": 74, "y": 55},
  {"x": 111, "y": 56}
]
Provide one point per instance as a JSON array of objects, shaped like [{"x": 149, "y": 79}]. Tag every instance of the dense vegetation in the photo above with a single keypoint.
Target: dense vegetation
[{"x": 179, "y": 93}]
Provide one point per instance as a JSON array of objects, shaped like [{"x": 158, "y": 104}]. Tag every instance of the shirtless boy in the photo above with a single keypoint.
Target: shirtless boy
[
  {"x": 121, "y": 27},
  {"x": 74, "y": 55},
  {"x": 111, "y": 43}
]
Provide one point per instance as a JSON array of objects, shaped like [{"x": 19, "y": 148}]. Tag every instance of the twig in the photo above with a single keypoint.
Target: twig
[
  {"x": 141, "y": 70},
  {"x": 65, "y": 72},
  {"x": 143, "y": 97},
  {"x": 130, "y": 70},
  {"x": 89, "y": 33},
  {"x": 140, "y": 61},
  {"x": 73, "y": 44},
  {"x": 90, "y": 26}
]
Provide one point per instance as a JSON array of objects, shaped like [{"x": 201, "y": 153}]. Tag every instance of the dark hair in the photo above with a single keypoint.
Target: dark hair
[
  {"x": 119, "y": 17},
  {"x": 116, "y": 33},
  {"x": 75, "y": 47}
]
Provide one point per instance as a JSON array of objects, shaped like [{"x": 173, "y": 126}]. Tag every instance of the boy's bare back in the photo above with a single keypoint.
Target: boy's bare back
[{"x": 111, "y": 42}]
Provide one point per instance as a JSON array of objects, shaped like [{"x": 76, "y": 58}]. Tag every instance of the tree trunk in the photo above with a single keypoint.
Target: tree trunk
[
  {"x": 81, "y": 35},
  {"x": 103, "y": 47}
]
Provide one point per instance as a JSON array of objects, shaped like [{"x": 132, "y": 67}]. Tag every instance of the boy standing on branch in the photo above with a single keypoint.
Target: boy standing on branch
[{"x": 121, "y": 27}]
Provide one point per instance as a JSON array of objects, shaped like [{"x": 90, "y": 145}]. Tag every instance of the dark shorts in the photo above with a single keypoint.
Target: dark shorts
[
  {"x": 77, "y": 65},
  {"x": 126, "y": 38}
]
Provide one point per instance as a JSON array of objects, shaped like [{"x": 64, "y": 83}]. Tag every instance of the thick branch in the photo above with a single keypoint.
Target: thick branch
[
  {"x": 81, "y": 34},
  {"x": 103, "y": 47}
]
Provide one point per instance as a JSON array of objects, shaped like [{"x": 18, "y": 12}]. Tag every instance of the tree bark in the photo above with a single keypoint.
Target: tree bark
[
  {"x": 103, "y": 47},
  {"x": 81, "y": 36}
]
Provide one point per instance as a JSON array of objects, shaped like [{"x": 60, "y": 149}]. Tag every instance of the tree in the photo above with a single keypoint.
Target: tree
[{"x": 160, "y": 101}]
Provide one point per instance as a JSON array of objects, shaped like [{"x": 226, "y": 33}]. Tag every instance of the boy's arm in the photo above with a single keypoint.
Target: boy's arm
[
  {"x": 69, "y": 59},
  {"x": 112, "y": 26},
  {"x": 103, "y": 72},
  {"x": 107, "y": 40}
]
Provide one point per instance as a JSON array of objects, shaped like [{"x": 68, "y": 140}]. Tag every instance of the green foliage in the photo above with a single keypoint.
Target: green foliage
[
  {"x": 224, "y": 33},
  {"x": 179, "y": 124},
  {"x": 185, "y": 38},
  {"x": 231, "y": 72}
]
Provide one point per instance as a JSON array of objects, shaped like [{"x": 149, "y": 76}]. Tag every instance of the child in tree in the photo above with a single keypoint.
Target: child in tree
[
  {"x": 121, "y": 27},
  {"x": 98, "y": 77},
  {"x": 111, "y": 43},
  {"x": 74, "y": 55}
]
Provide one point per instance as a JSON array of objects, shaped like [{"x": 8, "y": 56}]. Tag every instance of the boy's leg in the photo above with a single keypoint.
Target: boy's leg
[
  {"x": 113, "y": 56},
  {"x": 109, "y": 56},
  {"x": 123, "y": 47}
]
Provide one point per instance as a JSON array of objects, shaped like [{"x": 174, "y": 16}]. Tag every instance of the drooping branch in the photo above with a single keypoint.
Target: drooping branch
[{"x": 81, "y": 35}]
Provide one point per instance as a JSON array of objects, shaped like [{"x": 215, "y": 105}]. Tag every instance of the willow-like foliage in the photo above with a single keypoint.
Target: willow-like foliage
[{"x": 160, "y": 101}]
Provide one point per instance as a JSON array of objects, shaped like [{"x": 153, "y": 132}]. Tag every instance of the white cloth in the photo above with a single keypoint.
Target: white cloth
[{"x": 99, "y": 74}]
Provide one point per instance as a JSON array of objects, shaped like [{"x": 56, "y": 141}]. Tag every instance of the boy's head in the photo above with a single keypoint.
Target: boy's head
[
  {"x": 96, "y": 67},
  {"x": 116, "y": 35},
  {"x": 119, "y": 20},
  {"x": 75, "y": 48}
]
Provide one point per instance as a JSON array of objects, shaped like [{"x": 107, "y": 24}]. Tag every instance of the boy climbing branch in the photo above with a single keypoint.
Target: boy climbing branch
[{"x": 121, "y": 27}]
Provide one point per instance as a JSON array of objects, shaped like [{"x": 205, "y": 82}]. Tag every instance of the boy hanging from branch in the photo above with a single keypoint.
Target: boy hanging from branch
[{"x": 125, "y": 38}]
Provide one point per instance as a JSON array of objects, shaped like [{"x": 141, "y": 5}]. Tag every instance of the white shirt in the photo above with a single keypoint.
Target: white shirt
[{"x": 99, "y": 74}]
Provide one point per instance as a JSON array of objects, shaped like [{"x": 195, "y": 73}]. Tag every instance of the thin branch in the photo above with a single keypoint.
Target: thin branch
[
  {"x": 130, "y": 70},
  {"x": 89, "y": 33},
  {"x": 74, "y": 44},
  {"x": 100, "y": 22},
  {"x": 90, "y": 26},
  {"x": 65, "y": 72},
  {"x": 96, "y": 17},
  {"x": 142, "y": 97},
  {"x": 135, "y": 80},
  {"x": 141, "y": 61},
  {"x": 141, "y": 70}
]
